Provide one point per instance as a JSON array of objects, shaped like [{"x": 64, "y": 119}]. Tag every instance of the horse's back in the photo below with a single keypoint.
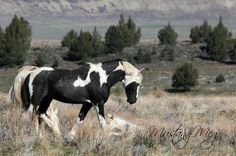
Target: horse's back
[{"x": 60, "y": 83}]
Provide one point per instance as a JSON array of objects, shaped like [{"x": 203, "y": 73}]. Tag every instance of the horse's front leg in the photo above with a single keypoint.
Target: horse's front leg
[
  {"x": 37, "y": 121},
  {"x": 101, "y": 115},
  {"x": 83, "y": 112}
]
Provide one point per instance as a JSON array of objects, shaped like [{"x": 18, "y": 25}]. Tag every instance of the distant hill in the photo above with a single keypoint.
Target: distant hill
[
  {"x": 51, "y": 19},
  {"x": 86, "y": 9}
]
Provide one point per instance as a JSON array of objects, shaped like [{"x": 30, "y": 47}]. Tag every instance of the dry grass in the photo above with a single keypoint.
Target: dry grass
[{"x": 157, "y": 109}]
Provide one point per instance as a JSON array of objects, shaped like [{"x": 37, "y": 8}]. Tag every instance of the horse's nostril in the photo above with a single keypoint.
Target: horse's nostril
[{"x": 131, "y": 101}]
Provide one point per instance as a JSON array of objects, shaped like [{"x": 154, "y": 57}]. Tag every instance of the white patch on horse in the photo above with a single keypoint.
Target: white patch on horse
[
  {"x": 89, "y": 101},
  {"x": 47, "y": 120},
  {"x": 132, "y": 74},
  {"x": 52, "y": 113},
  {"x": 81, "y": 83},
  {"x": 30, "y": 109},
  {"x": 102, "y": 121},
  {"x": 93, "y": 68},
  {"x": 137, "y": 92},
  {"x": 34, "y": 74}
]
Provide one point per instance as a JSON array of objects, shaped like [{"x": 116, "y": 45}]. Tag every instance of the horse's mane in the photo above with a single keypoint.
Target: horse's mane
[
  {"x": 103, "y": 62},
  {"x": 113, "y": 60},
  {"x": 129, "y": 68},
  {"x": 80, "y": 63}
]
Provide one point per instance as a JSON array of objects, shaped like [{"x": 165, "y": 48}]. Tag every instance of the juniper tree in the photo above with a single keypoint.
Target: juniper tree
[
  {"x": 185, "y": 77},
  {"x": 114, "y": 40},
  {"x": 41, "y": 60},
  {"x": 18, "y": 39},
  {"x": 219, "y": 42},
  {"x": 3, "y": 57},
  {"x": 167, "y": 35},
  {"x": 195, "y": 34},
  {"x": 168, "y": 53},
  {"x": 82, "y": 48},
  {"x": 97, "y": 44},
  {"x": 220, "y": 78},
  {"x": 201, "y": 34},
  {"x": 143, "y": 57},
  {"x": 205, "y": 31},
  {"x": 124, "y": 34},
  {"x": 69, "y": 39},
  {"x": 232, "y": 53}
]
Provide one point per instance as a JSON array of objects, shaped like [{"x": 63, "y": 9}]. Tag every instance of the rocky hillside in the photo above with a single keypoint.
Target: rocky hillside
[{"x": 161, "y": 9}]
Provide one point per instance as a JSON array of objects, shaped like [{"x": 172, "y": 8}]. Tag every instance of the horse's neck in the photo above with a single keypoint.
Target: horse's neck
[{"x": 115, "y": 75}]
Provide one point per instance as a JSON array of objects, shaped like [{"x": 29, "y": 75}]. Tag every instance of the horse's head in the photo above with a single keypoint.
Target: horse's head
[{"x": 132, "y": 81}]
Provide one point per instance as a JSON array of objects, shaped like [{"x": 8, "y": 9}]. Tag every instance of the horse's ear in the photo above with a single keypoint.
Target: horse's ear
[
  {"x": 141, "y": 70},
  {"x": 110, "y": 115}
]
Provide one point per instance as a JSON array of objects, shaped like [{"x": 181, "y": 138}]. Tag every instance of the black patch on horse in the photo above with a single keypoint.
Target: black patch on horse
[
  {"x": 129, "y": 90},
  {"x": 109, "y": 66},
  {"x": 82, "y": 71},
  {"x": 25, "y": 95}
]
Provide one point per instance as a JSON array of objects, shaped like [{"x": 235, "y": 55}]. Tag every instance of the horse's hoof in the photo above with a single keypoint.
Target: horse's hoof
[{"x": 70, "y": 140}]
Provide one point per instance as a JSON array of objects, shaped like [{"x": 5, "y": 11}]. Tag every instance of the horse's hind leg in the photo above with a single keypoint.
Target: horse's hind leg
[
  {"x": 41, "y": 111},
  {"x": 83, "y": 112}
]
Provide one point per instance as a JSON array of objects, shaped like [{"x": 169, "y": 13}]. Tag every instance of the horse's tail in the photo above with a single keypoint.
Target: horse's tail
[
  {"x": 18, "y": 90},
  {"x": 9, "y": 96}
]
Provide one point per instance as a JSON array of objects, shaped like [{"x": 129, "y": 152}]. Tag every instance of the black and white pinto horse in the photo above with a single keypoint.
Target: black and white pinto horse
[{"x": 89, "y": 85}]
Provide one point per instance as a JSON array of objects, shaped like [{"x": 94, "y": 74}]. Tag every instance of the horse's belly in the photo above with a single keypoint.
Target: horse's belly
[{"x": 71, "y": 96}]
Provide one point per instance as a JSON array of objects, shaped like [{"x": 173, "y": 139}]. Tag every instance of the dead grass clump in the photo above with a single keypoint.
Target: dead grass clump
[
  {"x": 158, "y": 93},
  {"x": 2, "y": 96}
]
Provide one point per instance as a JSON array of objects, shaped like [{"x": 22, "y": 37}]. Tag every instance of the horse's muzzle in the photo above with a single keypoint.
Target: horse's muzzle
[{"x": 131, "y": 101}]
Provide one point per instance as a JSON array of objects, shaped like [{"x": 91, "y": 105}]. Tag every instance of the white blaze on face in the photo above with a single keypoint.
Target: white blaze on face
[
  {"x": 137, "y": 91},
  {"x": 93, "y": 68},
  {"x": 33, "y": 74}
]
